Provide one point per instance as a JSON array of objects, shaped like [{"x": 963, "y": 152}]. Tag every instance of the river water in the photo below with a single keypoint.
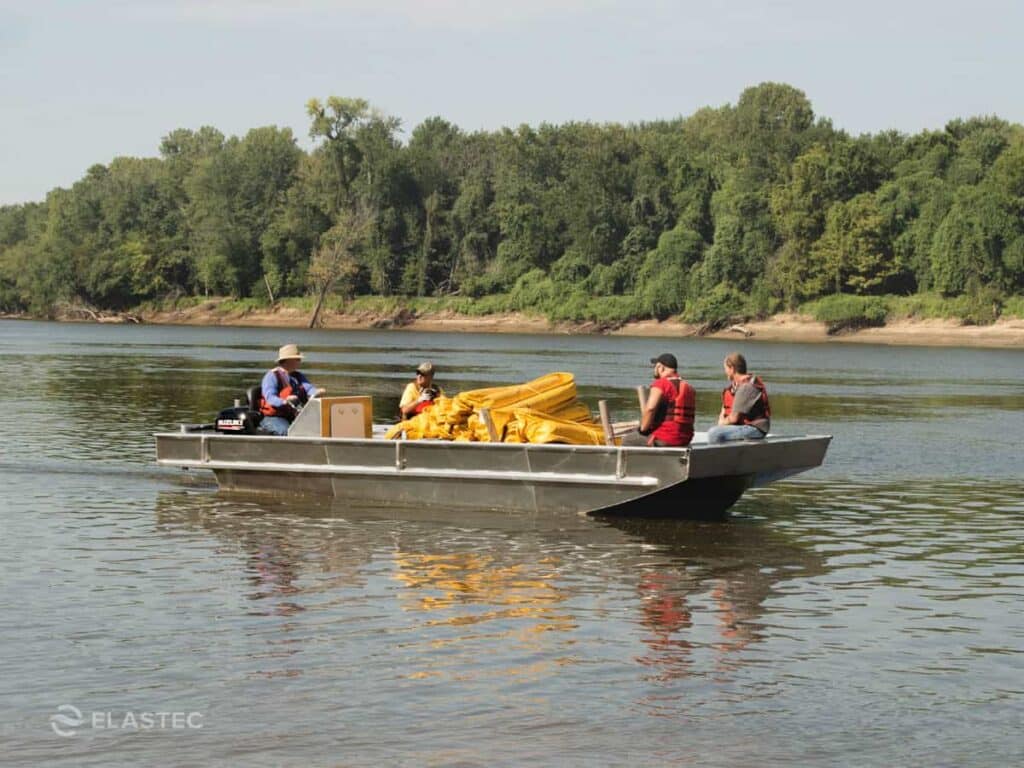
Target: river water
[{"x": 870, "y": 613}]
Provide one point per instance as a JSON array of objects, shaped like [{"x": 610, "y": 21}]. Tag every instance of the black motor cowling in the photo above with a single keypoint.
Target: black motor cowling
[{"x": 239, "y": 420}]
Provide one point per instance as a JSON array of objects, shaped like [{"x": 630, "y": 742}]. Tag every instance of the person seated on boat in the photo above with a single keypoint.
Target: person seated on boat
[
  {"x": 285, "y": 390},
  {"x": 745, "y": 414},
  {"x": 419, "y": 393},
  {"x": 667, "y": 418}
]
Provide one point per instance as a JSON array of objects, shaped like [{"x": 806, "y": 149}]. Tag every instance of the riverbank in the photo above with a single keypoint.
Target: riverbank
[{"x": 1005, "y": 333}]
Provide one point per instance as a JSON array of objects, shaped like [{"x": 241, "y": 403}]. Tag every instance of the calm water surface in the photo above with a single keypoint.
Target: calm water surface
[{"x": 869, "y": 614}]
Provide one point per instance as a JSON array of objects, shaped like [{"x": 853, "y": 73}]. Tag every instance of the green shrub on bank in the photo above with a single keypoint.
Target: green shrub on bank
[
  {"x": 305, "y": 304},
  {"x": 717, "y": 308},
  {"x": 533, "y": 291},
  {"x": 842, "y": 312},
  {"x": 1014, "y": 307},
  {"x": 171, "y": 303},
  {"x": 981, "y": 307},
  {"x": 605, "y": 311},
  {"x": 475, "y": 307},
  {"x": 243, "y": 306},
  {"x": 922, "y": 306},
  {"x": 381, "y": 305}
]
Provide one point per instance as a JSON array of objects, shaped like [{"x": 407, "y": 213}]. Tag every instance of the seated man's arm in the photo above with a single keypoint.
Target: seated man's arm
[
  {"x": 650, "y": 409},
  {"x": 311, "y": 390},
  {"x": 723, "y": 416},
  {"x": 409, "y": 399}
]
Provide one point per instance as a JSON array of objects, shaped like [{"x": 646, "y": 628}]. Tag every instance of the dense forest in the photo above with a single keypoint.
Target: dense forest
[{"x": 738, "y": 211}]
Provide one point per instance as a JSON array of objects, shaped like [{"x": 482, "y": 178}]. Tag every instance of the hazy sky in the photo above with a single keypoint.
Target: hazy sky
[{"x": 83, "y": 82}]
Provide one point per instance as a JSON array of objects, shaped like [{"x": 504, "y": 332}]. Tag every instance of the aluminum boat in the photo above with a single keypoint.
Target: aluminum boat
[{"x": 700, "y": 480}]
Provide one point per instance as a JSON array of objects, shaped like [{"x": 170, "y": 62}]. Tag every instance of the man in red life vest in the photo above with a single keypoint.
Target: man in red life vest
[
  {"x": 419, "y": 394},
  {"x": 667, "y": 417},
  {"x": 285, "y": 389},
  {"x": 745, "y": 414}
]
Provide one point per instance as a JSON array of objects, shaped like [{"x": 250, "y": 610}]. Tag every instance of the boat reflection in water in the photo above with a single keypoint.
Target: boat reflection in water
[
  {"x": 517, "y": 596},
  {"x": 702, "y": 592}
]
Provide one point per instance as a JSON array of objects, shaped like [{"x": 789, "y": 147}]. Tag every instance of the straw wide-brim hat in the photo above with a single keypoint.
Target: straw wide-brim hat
[{"x": 289, "y": 352}]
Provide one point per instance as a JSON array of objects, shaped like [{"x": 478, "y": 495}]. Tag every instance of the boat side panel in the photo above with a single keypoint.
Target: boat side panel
[
  {"x": 766, "y": 457},
  {"x": 399, "y": 491},
  {"x": 184, "y": 448},
  {"x": 267, "y": 449}
]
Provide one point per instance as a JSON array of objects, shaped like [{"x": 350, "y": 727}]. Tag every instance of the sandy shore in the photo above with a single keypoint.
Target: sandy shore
[
  {"x": 1006, "y": 333},
  {"x": 791, "y": 328}
]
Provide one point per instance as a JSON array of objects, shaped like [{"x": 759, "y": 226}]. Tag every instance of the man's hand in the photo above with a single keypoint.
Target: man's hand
[
  {"x": 319, "y": 392},
  {"x": 292, "y": 400}
]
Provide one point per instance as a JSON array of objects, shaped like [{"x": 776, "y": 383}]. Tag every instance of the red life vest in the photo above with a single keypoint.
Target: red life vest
[
  {"x": 761, "y": 409},
  {"x": 284, "y": 391},
  {"x": 421, "y": 407},
  {"x": 680, "y": 406}
]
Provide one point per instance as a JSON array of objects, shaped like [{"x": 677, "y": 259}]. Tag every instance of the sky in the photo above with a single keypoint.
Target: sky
[{"x": 85, "y": 82}]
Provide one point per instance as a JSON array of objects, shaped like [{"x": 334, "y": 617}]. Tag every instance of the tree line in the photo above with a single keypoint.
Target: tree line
[{"x": 741, "y": 210}]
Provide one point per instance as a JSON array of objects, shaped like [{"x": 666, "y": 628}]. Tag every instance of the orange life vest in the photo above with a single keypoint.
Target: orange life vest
[
  {"x": 285, "y": 390},
  {"x": 761, "y": 409}
]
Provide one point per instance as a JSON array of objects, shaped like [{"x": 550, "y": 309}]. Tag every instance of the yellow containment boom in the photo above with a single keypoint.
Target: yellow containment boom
[{"x": 544, "y": 410}]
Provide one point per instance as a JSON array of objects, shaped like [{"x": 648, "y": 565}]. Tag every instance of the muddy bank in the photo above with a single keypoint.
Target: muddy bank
[
  {"x": 1005, "y": 333},
  {"x": 794, "y": 328},
  {"x": 782, "y": 327}
]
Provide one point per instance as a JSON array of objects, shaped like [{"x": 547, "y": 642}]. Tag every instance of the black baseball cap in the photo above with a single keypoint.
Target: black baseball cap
[{"x": 669, "y": 361}]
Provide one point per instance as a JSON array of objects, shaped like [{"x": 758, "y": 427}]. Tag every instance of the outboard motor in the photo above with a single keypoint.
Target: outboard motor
[{"x": 238, "y": 420}]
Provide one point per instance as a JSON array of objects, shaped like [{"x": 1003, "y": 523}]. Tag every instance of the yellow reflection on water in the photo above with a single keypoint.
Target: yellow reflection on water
[{"x": 468, "y": 579}]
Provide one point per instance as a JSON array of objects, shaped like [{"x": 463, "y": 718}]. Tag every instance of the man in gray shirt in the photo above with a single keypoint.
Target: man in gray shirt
[{"x": 745, "y": 413}]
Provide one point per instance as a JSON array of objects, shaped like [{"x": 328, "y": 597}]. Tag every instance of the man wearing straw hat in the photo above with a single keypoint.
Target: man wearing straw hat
[{"x": 285, "y": 389}]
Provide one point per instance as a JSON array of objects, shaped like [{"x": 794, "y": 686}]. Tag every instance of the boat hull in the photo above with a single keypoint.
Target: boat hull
[{"x": 698, "y": 481}]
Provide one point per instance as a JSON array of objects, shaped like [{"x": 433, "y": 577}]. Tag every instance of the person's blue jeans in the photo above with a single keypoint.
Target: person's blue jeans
[
  {"x": 732, "y": 432},
  {"x": 275, "y": 425}
]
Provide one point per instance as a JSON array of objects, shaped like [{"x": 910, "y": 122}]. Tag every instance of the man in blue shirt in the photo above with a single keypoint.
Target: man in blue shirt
[{"x": 285, "y": 389}]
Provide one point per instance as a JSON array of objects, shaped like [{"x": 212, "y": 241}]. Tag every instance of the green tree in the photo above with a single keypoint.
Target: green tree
[
  {"x": 234, "y": 196},
  {"x": 663, "y": 282},
  {"x": 744, "y": 236},
  {"x": 771, "y": 124},
  {"x": 853, "y": 250},
  {"x": 798, "y": 212},
  {"x": 335, "y": 262}
]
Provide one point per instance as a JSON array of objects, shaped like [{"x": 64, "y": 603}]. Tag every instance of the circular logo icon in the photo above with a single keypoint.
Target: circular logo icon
[{"x": 66, "y": 720}]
